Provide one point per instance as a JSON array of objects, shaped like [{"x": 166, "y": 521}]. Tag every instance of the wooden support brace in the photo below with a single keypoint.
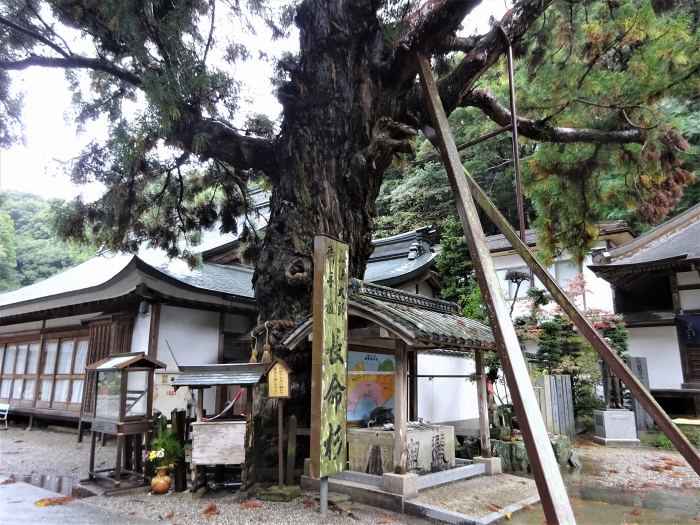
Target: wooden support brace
[
  {"x": 616, "y": 364},
  {"x": 550, "y": 485}
]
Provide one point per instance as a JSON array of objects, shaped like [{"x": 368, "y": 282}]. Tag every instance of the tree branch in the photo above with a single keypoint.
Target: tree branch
[
  {"x": 433, "y": 23},
  {"x": 488, "y": 50},
  {"x": 213, "y": 139},
  {"x": 72, "y": 62},
  {"x": 539, "y": 130},
  {"x": 33, "y": 34}
]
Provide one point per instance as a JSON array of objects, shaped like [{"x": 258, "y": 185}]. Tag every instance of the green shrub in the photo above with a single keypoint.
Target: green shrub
[
  {"x": 692, "y": 434},
  {"x": 665, "y": 443}
]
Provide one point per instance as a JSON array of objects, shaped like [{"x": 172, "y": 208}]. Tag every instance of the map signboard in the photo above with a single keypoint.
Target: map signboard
[
  {"x": 329, "y": 357},
  {"x": 371, "y": 381}
]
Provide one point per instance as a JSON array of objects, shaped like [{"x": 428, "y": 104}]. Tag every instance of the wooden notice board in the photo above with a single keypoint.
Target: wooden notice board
[
  {"x": 329, "y": 357},
  {"x": 278, "y": 380}
]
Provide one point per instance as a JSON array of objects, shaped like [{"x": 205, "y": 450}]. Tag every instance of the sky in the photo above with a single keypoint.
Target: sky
[{"x": 51, "y": 140}]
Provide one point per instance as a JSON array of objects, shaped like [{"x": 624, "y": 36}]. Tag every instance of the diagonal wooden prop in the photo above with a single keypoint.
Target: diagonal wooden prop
[{"x": 545, "y": 469}]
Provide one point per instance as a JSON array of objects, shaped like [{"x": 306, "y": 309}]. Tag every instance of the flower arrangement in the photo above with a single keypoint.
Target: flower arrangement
[{"x": 165, "y": 450}]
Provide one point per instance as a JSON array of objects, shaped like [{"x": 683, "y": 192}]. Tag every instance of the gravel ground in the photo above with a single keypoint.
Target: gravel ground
[
  {"x": 480, "y": 496},
  {"x": 46, "y": 451},
  {"x": 228, "y": 508},
  {"x": 634, "y": 468}
]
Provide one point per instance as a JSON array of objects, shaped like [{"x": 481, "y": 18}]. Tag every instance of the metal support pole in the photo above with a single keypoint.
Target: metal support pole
[
  {"x": 616, "y": 364},
  {"x": 323, "y": 496},
  {"x": 516, "y": 148},
  {"x": 549, "y": 482}
]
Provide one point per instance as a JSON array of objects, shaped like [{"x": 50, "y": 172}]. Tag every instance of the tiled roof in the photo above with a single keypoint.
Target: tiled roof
[
  {"x": 676, "y": 240},
  {"x": 418, "y": 320},
  {"x": 401, "y": 257},
  {"x": 111, "y": 276}
]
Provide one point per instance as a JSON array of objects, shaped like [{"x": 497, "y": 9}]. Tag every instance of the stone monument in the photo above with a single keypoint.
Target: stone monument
[{"x": 615, "y": 426}]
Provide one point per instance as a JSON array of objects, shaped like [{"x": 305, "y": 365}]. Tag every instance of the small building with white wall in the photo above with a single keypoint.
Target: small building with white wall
[{"x": 656, "y": 283}]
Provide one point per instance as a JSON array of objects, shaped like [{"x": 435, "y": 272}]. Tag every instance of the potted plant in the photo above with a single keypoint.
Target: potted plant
[{"x": 165, "y": 451}]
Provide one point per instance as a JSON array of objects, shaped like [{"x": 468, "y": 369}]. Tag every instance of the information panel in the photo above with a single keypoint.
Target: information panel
[{"x": 329, "y": 356}]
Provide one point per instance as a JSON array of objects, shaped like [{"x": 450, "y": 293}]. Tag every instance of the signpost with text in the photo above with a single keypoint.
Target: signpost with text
[{"x": 329, "y": 360}]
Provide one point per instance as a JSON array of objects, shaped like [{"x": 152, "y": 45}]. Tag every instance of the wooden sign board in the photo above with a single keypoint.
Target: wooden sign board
[
  {"x": 329, "y": 357},
  {"x": 218, "y": 442},
  {"x": 278, "y": 380}
]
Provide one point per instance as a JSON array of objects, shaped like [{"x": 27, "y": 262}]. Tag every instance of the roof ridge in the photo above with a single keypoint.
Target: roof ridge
[{"x": 400, "y": 296}]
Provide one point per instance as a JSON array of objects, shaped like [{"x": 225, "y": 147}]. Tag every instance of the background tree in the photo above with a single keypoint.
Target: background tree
[
  {"x": 8, "y": 254},
  {"x": 33, "y": 250}
]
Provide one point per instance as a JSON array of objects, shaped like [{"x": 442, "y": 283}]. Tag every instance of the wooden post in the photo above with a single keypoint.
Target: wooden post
[
  {"x": 200, "y": 415},
  {"x": 177, "y": 420},
  {"x": 413, "y": 386},
  {"x": 483, "y": 404},
  {"x": 291, "y": 448},
  {"x": 400, "y": 409},
  {"x": 545, "y": 469},
  {"x": 280, "y": 443},
  {"x": 128, "y": 453},
  {"x": 248, "y": 465}
]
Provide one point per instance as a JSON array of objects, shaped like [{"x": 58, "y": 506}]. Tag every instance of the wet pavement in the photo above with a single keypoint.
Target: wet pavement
[{"x": 18, "y": 505}]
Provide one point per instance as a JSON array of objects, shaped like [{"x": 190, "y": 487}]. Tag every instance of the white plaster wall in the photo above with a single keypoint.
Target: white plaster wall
[
  {"x": 194, "y": 338},
  {"x": 141, "y": 332},
  {"x": 446, "y": 399},
  {"x": 660, "y": 346},
  {"x": 688, "y": 278},
  {"x": 598, "y": 294},
  {"x": 690, "y": 299}
]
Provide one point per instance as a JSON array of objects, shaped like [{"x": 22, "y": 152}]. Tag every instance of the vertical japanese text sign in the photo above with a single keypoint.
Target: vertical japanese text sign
[{"x": 329, "y": 356}]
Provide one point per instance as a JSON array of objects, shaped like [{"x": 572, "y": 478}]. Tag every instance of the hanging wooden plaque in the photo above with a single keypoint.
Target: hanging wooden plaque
[{"x": 278, "y": 381}]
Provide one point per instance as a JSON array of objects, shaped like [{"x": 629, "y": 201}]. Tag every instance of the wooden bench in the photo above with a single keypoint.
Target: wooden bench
[{"x": 4, "y": 410}]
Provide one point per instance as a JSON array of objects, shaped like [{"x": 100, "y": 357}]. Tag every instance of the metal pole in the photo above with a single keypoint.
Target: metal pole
[
  {"x": 323, "y": 493},
  {"x": 550, "y": 485},
  {"x": 608, "y": 355},
  {"x": 516, "y": 149}
]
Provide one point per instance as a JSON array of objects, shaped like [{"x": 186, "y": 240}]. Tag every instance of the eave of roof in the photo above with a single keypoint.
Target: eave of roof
[
  {"x": 204, "y": 376},
  {"x": 674, "y": 244}
]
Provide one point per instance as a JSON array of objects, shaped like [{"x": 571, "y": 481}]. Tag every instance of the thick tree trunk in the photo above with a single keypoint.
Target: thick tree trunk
[{"x": 335, "y": 145}]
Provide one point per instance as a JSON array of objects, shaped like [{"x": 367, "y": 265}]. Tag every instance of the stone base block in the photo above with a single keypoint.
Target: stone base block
[
  {"x": 406, "y": 485},
  {"x": 492, "y": 465},
  {"x": 275, "y": 493},
  {"x": 616, "y": 442}
]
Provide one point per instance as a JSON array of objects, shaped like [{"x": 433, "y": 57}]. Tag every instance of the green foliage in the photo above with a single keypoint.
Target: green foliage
[
  {"x": 599, "y": 65},
  {"x": 172, "y": 450},
  {"x": 38, "y": 253},
  {"x": 665, "y": 443},
  {"x": 8, "y": 254}
]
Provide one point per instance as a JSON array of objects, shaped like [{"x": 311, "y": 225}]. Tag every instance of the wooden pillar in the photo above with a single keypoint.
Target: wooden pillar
[
  {"x": 413, "y": 386},
  {"x": 483, "y": 403},
  {"x": 400, "y": 408}
]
